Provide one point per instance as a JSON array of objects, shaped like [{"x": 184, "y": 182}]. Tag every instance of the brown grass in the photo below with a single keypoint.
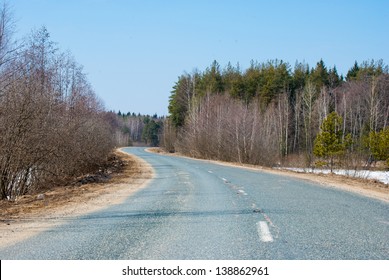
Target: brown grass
[{"x": 28, "y": 214}]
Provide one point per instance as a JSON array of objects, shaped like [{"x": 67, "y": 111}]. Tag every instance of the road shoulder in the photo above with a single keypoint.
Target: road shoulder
[
  {"x": 29, "y": 215},
  {"x": 364, "y": 187}
]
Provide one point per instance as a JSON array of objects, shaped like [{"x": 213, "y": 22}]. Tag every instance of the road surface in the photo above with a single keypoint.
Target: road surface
[{"x": 198, "y": 210}]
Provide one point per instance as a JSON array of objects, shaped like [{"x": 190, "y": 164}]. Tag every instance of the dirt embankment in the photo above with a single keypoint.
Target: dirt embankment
[
  {"x": 365, "y": 187},
  {"x": 31, "y": 214}
]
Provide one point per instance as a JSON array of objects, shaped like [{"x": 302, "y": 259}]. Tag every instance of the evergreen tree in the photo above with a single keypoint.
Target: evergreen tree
[
  {"x": 300, "y": 76},
  {"x": 352, "y": 74},
  {"x": 379, "y": 145},
  {"x": 319, "y": 75},
  {"x": 367, "y": 70},
  {"x": 330, "y": 143},
  {"x": 275, "y": 79},
  {"x": 334, "y": 80},
  {"x": 251, "y": 79},
  {"x": 211, "y": 81},
  {"x": 233, "y": 81},
  {"x": 151, "y": 131},
  {"x": 180, "y": 99}
]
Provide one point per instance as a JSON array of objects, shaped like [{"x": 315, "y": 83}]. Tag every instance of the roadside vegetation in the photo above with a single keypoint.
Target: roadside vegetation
[
  {"x": 272, "y": 114},
  {"x": 53, "y": 127},
  {"x": 54, "y": 130}
]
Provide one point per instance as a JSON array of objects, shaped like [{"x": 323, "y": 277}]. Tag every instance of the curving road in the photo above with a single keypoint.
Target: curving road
[{"x": 198, "y": 210}]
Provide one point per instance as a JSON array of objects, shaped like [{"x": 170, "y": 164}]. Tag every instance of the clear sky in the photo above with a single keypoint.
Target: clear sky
[{"x": 134, "y": 50}]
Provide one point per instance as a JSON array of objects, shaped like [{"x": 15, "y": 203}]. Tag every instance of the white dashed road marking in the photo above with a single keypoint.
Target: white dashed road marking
[
  {"x": 264, "y": 232},
  {"x": 242, "y": 192}
]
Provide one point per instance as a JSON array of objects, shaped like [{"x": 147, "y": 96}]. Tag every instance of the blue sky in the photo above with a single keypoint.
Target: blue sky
[{"x": 133, "y": 51}]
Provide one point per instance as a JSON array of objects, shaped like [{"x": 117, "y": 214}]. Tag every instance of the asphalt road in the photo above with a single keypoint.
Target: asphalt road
[{"x": 199, "y": 210}]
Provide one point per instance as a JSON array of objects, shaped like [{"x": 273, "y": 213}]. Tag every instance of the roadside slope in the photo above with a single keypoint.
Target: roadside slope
[{"x": 28, "y": 216}]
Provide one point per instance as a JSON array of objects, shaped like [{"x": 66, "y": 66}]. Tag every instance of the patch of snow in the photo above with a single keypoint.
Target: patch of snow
[{"x": 382, "y": 176}]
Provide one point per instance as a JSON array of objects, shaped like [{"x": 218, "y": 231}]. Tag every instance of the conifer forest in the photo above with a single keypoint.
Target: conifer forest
[{"x": 274, "y": 114}]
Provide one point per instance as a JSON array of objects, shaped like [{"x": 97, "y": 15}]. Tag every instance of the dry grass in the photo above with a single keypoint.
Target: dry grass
[
  {"x": 129, "y": 171},
  {"x": 28, "y": 214}
]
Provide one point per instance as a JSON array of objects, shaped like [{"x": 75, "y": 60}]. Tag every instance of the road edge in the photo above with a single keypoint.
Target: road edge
[
  {"x": 354, "y": 185},
  {"x": 14, "y": 231}
]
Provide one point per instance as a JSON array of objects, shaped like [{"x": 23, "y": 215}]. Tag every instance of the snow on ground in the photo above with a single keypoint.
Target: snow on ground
[{"x": 382, "y": 176}]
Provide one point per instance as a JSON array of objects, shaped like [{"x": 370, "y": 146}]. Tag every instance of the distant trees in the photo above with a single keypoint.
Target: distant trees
[
  {"x": 52, "y": 125},
  {"x": 181, "y": 98},
  {"x": 224, "y": 128},
  {"x": 271, "y": 113},
  {"x": 151, "y": 132},
  {"x": 137, "y": 129}
]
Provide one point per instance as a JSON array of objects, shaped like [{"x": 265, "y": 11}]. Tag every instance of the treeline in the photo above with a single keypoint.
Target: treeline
[
  {"x": 136, "y": 130},
  {"x": 52, "y": 125},
  {"x": 271, "y": 113}
]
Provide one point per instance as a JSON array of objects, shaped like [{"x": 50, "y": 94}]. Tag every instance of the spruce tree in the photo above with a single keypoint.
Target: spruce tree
[
  {"x": 330, "y": 143},
  {"x": 379, "y": 145}
]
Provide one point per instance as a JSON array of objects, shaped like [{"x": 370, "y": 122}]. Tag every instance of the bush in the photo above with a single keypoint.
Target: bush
[{"x": 52, "y": 126}]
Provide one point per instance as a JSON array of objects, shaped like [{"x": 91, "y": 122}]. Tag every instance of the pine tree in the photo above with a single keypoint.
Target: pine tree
[
  {"x": 330, "y": 143},
  {"x": 319, "y": 75},
  {"x": 379, "y": 145},
  {"x": 352, "y": 74},
  {"x": 151, "y": 132}
]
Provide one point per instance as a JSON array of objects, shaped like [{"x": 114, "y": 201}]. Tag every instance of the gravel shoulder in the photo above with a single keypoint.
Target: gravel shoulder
[
  {"x": 30, "y": 215},
  {"x": 365, "y": 187}
]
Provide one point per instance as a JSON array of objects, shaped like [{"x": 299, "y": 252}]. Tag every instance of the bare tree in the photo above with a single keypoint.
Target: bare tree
[
  {"x": 52, "y": 125},
  {"x": 8, "y": 46}
]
